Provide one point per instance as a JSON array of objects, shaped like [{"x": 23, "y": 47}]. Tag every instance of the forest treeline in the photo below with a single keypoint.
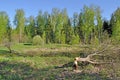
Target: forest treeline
[{"x": 85, "y": 27}]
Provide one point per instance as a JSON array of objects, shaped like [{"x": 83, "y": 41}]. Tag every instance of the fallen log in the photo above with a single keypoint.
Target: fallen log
[{"x": 88, "y": 58}]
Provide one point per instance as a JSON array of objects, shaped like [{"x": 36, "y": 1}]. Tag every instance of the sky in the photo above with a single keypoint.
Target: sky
[{"x": 32, "y": 7}]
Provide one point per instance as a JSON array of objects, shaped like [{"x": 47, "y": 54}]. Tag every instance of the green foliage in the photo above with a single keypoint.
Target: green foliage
[
  {"x": 89, "y": 24},
  {"x": 62, "y": 39},
  {"x": 49, "y": 31},
  {"x": 27, "y": 39},
  {"x": 40, "y": 23},
  {"x": 57, "y": 23},
  {"x": 115, "y": 22},
  {"x": 75, "y": 39},
  {"x": 30, "y": 28},
  {"x": 95, "y": 41},
  {"x": 19, "y": 21},
  {"x": 98, "y": 28},
  {"x": 37, "y": 40},
  {"x": 4, "y": 23},
  {"x": 58, "y": 27},
  {"x": 86, "y": 23}
]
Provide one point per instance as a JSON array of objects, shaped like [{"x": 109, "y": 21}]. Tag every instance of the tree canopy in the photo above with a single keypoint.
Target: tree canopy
[{"x": 85, "y": 27}]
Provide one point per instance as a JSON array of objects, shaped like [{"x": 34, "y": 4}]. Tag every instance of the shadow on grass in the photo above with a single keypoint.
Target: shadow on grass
[
  {"x": 15, "y": 71},
  {"x": 14, "y": 53},
  {"x": 57, "y": 54},
  {"x": 28, "y": 44},
  {"x": 4, "y": 51},
  {"x": 32, "y": 54},
  {"x": 86, "y": 76},
  {"x": 68, "y": 73},
  {"x": 24, "y": 71}
]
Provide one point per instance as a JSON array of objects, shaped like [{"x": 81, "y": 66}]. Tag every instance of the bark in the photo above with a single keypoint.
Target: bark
[{"x": 88, "y": 58}]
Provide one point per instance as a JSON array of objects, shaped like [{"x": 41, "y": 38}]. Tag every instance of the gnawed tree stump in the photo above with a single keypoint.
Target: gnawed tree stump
[{"x": 88, "y": 58}]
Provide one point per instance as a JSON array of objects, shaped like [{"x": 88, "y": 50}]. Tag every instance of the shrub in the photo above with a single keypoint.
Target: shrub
[{"x": 37, "y": 40}]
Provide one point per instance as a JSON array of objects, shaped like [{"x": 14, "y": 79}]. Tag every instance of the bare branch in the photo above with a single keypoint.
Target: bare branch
[{"x": 88, "y": 58}]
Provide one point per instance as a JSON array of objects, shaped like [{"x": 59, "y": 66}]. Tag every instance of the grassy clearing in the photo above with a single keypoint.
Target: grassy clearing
[
  {"x": 51, "y": 62},
  {"x": 20, "y": 68}
]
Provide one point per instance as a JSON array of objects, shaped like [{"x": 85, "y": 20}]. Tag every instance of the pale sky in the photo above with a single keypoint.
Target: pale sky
[{"x": 31, "y": 7}]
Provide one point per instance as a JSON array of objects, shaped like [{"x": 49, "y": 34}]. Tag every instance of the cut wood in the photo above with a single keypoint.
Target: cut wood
[{"x": 88, "y": 58}]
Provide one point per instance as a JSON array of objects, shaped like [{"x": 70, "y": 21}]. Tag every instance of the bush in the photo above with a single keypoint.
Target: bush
[{"x": 37, "y": 40}]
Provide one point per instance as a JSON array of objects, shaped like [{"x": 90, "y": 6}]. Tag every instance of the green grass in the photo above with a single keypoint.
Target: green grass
[
  {"x": 39, "y": 68},
  {"x": 30, "y": 62}
]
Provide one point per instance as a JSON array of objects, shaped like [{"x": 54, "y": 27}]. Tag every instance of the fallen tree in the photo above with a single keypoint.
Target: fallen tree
[{"x": 88, "y": 58}]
